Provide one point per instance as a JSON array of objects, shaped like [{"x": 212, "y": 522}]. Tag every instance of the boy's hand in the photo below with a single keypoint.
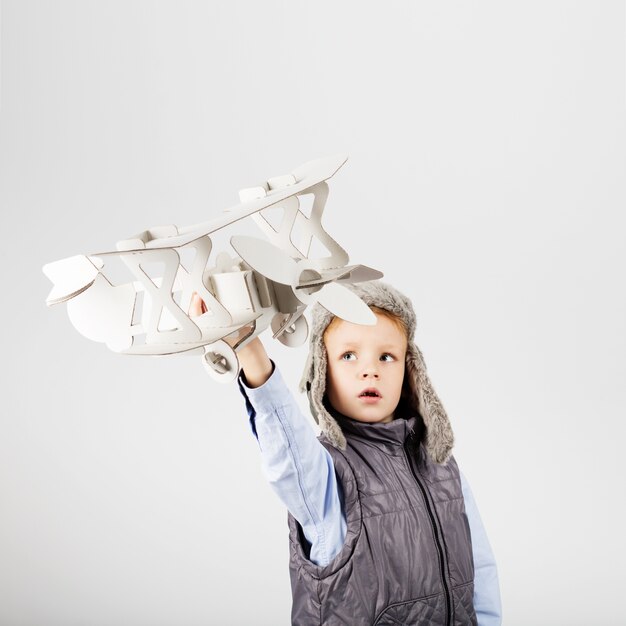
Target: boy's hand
[
  {"x": 253, "y": 358},
  {"x": 197, "y": 306}
]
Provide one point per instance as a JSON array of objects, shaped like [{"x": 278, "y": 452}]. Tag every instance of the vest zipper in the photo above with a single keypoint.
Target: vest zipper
[{"x": 434, "y": 524}]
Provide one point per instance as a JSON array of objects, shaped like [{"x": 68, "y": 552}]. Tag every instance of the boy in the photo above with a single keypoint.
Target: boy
[{"x": 383, "y": 528}]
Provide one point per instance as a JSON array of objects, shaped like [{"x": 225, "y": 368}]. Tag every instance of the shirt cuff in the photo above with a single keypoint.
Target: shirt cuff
[{"x": 269, "y": 396}]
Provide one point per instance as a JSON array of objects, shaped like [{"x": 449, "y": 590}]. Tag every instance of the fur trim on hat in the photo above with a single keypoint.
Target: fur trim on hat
[{"x": 421, "y": 397}]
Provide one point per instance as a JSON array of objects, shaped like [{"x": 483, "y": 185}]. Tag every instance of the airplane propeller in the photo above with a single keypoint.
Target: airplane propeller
[{"x": 279, "y": 267}]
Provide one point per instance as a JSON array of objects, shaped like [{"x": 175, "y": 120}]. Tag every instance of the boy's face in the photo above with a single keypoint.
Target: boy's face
[{"x": 362, "y": 356}]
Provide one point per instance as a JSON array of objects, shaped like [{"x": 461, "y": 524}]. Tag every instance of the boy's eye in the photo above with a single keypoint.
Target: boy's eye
[{"x": 345, "y": 353}]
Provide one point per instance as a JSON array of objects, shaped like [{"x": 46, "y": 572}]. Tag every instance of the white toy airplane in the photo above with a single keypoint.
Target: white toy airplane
[{"x": 271, "y": 282}]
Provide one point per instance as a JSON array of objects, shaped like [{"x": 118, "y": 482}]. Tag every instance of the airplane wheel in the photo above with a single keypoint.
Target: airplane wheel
[
  {"x": 220, "y": 361},
  {"x": 294, "y": 335}
]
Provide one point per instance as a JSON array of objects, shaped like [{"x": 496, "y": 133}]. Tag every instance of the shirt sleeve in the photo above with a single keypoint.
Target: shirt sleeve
[
  {"x": 487, "y": 602},
  {"x": 297, "y": 466}
]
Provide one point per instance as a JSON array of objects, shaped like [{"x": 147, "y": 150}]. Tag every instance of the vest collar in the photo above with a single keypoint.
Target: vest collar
[
  {"x": 395, "y": 432},
  {"x": 388, "y": 435}
]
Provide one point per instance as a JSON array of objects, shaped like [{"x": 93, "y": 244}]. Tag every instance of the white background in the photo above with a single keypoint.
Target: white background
[{"x": 486, "y": 180}]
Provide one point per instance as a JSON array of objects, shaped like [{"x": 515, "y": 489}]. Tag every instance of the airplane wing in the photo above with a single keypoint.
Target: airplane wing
[{"x": 304, "y": 177}]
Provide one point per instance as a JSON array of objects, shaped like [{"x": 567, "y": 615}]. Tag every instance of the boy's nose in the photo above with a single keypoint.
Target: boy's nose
[{"x": 370, "y": 373}]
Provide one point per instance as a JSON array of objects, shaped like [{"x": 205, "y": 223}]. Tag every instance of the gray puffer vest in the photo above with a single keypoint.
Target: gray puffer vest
[{"x": 407, "y": 556}]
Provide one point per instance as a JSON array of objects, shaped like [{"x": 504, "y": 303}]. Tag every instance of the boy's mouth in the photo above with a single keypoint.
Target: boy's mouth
[{"x": 370, "y": 392}]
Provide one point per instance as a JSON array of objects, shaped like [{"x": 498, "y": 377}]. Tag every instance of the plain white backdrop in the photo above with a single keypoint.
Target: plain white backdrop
[{"x": 486, "y": 180}]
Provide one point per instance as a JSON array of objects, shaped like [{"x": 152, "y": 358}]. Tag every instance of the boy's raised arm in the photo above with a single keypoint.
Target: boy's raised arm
[
  {"x": 297, "y": 466},
  {"x": 254, "y": 360}
]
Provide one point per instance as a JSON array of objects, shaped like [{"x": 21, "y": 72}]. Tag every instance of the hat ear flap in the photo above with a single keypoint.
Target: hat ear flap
[
  {"x": 307, "y": 373},
  {"x": 439, "y": 436},
  {"x": 315, "y": 371}
]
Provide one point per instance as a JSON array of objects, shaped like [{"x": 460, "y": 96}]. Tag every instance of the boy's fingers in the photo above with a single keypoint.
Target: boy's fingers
[{"x": 195, "y": 308}]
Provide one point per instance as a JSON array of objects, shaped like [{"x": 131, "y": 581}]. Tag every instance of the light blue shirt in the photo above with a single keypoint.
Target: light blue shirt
[{"x": 301, "y": 472}]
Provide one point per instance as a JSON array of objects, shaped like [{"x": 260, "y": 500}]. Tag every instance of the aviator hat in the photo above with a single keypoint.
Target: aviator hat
[{"x": 417, "y": 388}]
